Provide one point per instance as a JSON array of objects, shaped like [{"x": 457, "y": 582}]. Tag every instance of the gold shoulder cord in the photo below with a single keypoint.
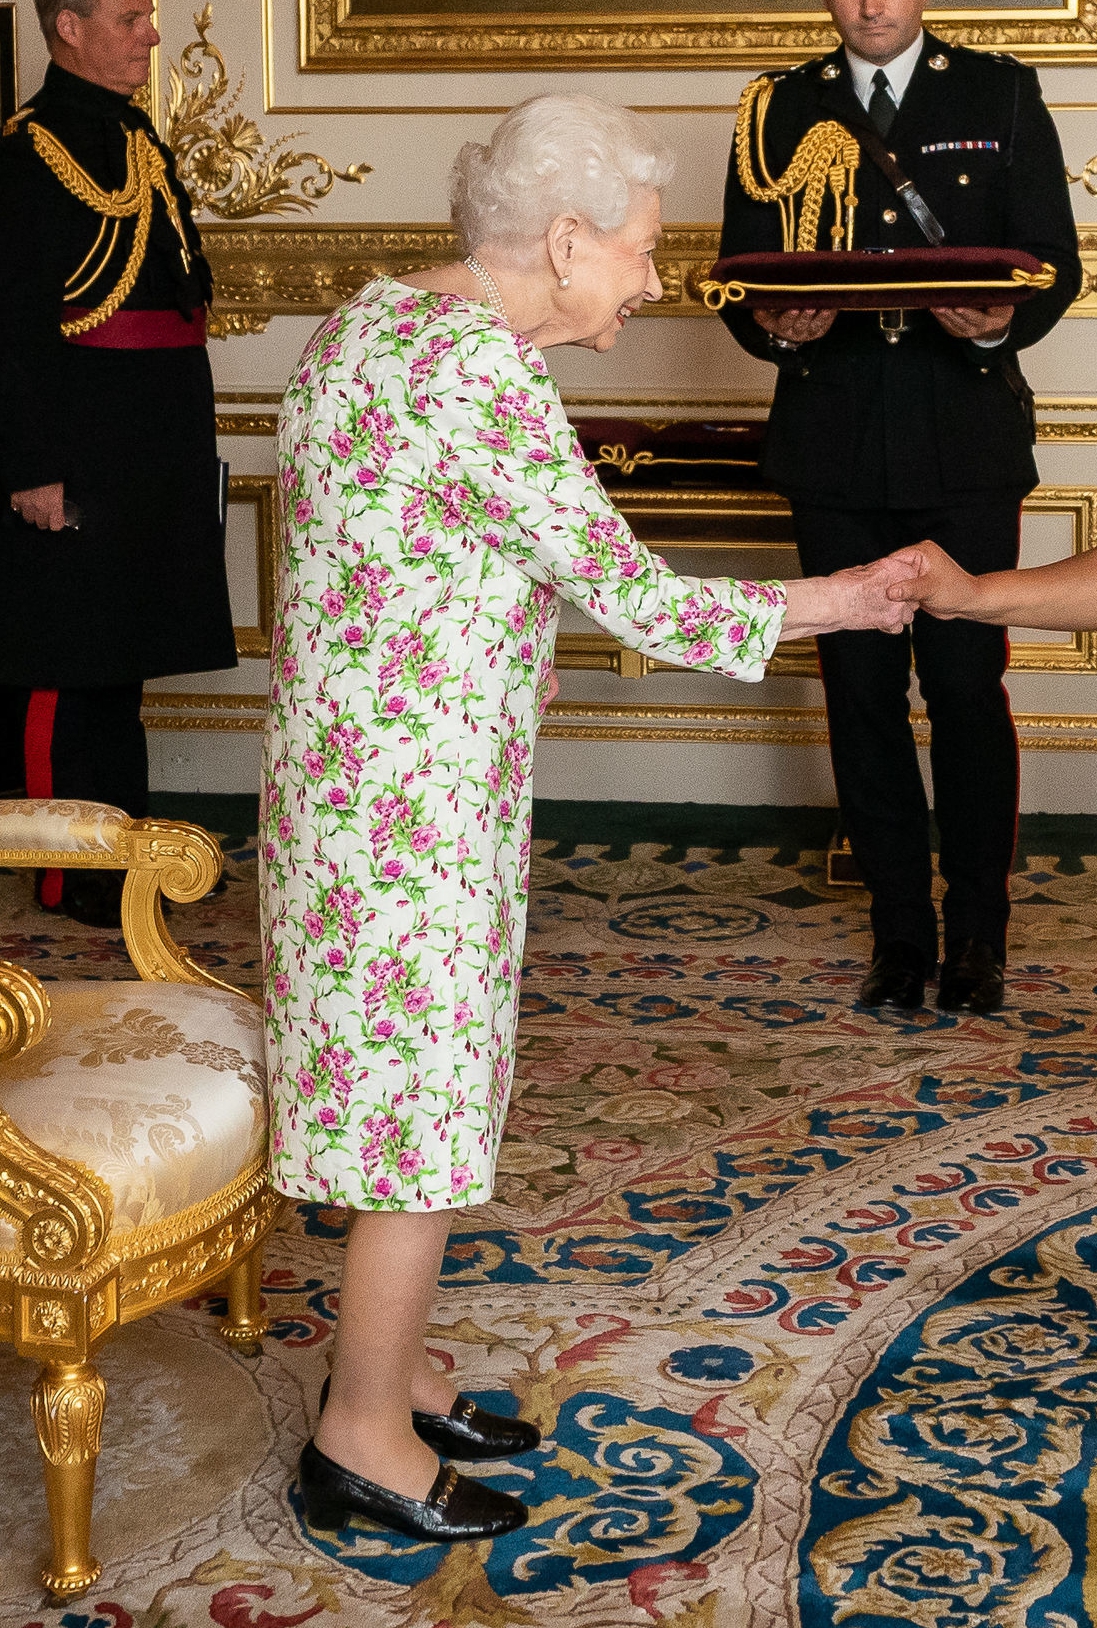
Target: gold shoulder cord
[
  {"x": 828, "y": 154},
  {"x": 11, "y": 125},
  {"x": 146, "y": 173}
]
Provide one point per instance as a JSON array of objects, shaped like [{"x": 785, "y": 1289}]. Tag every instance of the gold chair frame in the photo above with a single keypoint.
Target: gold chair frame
[{"x": 73, "y": 1279}]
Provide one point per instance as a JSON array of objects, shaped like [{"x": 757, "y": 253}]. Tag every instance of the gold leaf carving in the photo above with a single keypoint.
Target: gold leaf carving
[
  {"x": 68, "y": 1413},
  {"x": 50, "y": 1317},
  {"x": 24, "y": 1010},
  {"x": 52, "y": 1238},
  {"x": 224, "y": 161},
  {"x": 1087, "y": 175}
]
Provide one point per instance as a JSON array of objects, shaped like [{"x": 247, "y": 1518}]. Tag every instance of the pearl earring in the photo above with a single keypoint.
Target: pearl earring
[{"x": 565, "y": 282}]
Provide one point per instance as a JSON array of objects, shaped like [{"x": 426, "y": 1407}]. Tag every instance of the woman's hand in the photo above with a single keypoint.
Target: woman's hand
[
  {"x": 939, "y": 585},
  {"x": 854, "y": 599},
  {"x": 1061, "y": 596},
  {"x": 550, "y": 689}
]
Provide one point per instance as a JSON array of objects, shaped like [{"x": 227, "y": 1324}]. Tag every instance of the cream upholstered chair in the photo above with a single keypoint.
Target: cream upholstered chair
[{"x": 133, "y": 1142}]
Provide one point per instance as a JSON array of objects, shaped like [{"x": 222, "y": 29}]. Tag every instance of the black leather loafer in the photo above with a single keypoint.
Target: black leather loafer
[
  {"x": 973, "y": 976},
  {"x": 897, "y": 977},
  {"x": 455, "y": 1510},
  {"x": 468, "y": 1432}
]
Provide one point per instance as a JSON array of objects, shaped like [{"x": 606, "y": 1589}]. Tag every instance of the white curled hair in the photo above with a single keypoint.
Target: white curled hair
[{"x": 550, "y": 156}]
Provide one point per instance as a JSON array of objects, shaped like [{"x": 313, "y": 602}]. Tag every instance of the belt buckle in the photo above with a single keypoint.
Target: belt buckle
[{"x": 894, "y": 325}]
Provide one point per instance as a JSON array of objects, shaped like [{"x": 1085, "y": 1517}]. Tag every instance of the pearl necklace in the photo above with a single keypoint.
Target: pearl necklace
[{"x": 490, "y": 286}]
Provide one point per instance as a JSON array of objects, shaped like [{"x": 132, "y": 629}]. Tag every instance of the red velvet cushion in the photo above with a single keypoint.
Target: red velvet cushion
[
  {"x": 688, "y": 452},
  {"x": 789, "y": 281}
]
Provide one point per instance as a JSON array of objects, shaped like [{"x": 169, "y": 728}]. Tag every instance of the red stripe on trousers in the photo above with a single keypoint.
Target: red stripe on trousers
[{"x": 38, "y": 762}]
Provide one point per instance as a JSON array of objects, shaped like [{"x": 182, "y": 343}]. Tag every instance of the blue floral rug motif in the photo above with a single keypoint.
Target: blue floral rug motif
[
  {"x": 959, "y": 1487},
  {"x": 802, "y": 1297}
]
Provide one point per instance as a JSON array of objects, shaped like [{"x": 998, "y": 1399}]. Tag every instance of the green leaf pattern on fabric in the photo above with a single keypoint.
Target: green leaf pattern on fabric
[{"x": 435, "y": 503}]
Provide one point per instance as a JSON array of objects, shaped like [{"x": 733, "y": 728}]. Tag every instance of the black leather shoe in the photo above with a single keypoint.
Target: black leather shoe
[
  {"x": 897, "y": 977},
  {"x": 468, "y": 1432},
  {"x": 973, "y": 975},
  {"x": 457, "y": 1509}
]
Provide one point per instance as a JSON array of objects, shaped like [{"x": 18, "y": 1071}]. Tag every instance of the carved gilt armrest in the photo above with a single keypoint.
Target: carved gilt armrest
[{"x": 160, "y": 856}]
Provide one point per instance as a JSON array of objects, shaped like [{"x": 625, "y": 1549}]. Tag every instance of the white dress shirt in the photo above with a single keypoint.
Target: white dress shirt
[{"x": 898, "y": 71}]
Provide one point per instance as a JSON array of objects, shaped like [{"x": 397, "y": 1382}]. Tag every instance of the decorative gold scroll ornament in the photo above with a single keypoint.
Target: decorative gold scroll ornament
[
  {"x": 221, "y": 157},
  {"x": 1087, "y": 175},
  {"x": 827, "y": 155}
]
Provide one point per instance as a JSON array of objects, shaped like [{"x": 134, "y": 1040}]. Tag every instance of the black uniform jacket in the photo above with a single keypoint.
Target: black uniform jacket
[
  {"x": 857, "y": 422},
  {"x": 139, "y": 590}
]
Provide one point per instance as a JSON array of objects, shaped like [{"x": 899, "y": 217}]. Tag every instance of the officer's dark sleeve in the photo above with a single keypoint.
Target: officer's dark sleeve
[
  {"x": 33, "y": 360},
  {"x": 1039, "y": 217}
]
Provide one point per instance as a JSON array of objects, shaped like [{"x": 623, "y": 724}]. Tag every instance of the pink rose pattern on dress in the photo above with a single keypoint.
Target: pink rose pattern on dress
[{"x": 435, "y": 501}]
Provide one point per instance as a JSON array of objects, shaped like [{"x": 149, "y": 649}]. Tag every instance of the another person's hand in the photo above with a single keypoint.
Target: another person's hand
[
  {"x": 964, "y": 322},
  {"x": 855, "y": 599},
  {"x": 795, "y": 327},
  {"x": 939, "y": 586},
  {"x": 42, "y": 506},
  {"x": 548, "y": 690}
]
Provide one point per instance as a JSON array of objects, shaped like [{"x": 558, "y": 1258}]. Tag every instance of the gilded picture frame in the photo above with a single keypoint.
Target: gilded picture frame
[{"x": 380, "y": 36}]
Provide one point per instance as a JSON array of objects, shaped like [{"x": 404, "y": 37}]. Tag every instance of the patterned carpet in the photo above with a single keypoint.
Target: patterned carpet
[{"x": 804, "y": 1297}]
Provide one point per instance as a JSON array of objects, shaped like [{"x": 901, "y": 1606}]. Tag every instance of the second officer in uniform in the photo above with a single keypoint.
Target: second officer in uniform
[{"x": 890, "y": 427}]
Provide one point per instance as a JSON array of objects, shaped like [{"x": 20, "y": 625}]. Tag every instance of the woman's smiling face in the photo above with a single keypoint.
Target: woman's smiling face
[{"x": 612, "y": 274}]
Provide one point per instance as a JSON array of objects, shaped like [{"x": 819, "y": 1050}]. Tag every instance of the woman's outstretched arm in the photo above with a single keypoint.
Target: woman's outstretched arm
[{"x": 1060, "y": 596}]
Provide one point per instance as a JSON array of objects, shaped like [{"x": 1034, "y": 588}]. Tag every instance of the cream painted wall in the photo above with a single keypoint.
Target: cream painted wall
[{"x": 353, "y": 117}]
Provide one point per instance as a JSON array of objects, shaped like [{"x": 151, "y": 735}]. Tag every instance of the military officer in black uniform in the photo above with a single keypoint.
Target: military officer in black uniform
[
  {"x": 890, "y": 427},
  {"x": 111, "y": 533}
]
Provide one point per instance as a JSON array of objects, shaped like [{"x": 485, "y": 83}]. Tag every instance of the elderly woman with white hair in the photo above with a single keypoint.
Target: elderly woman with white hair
[{"x": 436, "y": 503}]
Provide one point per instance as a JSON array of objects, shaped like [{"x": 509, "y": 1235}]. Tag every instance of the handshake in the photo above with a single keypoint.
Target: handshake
[{"x": 885, "y": 594}]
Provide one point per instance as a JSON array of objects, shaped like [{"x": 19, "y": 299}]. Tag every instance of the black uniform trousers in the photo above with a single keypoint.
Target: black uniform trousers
[
  {"x": 973, "y": 752},
  {"x": 83, "y": 744}
]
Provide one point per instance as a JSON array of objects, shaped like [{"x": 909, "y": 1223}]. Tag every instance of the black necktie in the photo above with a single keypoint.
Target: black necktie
[{"x": 881, "y": 107}]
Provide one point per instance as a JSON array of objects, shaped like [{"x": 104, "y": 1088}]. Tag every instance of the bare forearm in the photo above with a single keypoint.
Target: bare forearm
[
  {"x": 813, "y": 605},
  {"x": 1062, "y": 596}
]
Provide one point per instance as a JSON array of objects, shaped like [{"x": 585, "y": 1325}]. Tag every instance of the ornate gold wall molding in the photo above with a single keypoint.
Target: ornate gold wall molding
[
  {"x": 1047, "y": 429},
  {"x": 265, "y": 271},
  {"x": 345, "y": 36},
  {"x": 595, "y": 720},
  {"x": 774, "y": 726},
  {"x": 1086, "y": 303},
  {"x": 261, "y": 492},
  {"x": 222, "y": 158}
]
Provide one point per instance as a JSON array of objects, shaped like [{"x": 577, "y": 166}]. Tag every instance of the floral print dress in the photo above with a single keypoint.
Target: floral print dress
[{"x": 436, "y": 501}]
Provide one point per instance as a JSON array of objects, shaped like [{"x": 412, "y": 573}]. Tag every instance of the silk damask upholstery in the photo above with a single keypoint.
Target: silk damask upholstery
[
  {"x": 166, "y": 1133},
  {"x": 65, "y": 825}
]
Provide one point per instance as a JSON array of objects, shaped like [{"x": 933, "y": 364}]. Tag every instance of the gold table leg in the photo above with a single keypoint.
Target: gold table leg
[{"x": 67, "y": 1407}]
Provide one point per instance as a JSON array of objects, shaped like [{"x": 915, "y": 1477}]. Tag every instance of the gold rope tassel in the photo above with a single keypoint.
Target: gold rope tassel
[
  {"x": 146, "y": 174},
  {"x": 826, "y": 156}
]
